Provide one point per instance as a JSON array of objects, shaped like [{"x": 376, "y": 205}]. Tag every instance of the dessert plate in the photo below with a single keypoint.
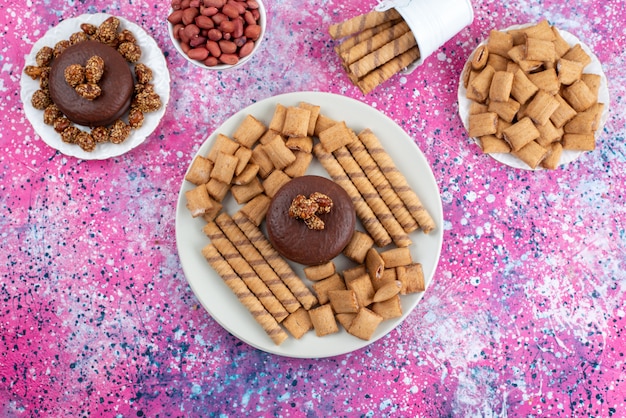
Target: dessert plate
[
  {"x": 595, "y": 67},
  {"x": 223, "y": 305},
  {"x": 151, "y": 55}
]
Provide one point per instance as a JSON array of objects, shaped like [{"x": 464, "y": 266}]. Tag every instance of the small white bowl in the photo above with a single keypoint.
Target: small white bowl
[{"x": 241, "y": 62}]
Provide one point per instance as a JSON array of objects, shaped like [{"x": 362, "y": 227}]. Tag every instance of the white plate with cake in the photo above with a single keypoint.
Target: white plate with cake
[
  {"x": 223, "y": 305},
  {"x": 151, "y": 56}
]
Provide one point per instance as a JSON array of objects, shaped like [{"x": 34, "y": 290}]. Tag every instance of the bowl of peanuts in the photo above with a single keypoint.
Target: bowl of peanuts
[{"x": 217, "y": 34}]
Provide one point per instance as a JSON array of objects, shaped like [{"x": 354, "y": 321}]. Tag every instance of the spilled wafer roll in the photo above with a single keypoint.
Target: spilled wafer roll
[
  {"x": 364, "y": 212},
  {"x": 382, "y": 185},
  {"x": 372, "y": 198},
  {"x": 247, "y": 299},
  {"x": 257, "y": 262},
  {"x": 280, "y": 266},
  {"x": 398, "y": 181},
  {"x": 243, "y": 269},
  {"x": 361, "y": 22}
]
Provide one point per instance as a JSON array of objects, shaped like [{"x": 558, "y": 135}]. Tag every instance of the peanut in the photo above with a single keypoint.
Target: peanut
[
  {"x": 246, "y": 49},
  {"x": 227, "y": 47},
  {"x": 227, "y": 26},
  {"x": 175, "y": 17},
  {"x": 191, "y": 31},
  {"x": 214, "y": 3},
  {"x": 204, "y": 22},
  {"x": 176, "y": 30},
  {"x": 230, "y": 10},
  {"x": 208, "y": 11},
  {"x": 219, "y": 18},
  {"x": 211, "y": 62},
  {"x": 229, "y": 59},
  {"x": 189, "y": 15},
  {"x": 238, "y": 31},
  {"x": 215, "y": 32},
  {"x": 252, "y": 32},
  {"x": 199, "y": 54},
  {"x": 214, "y": 48},
  {"x": 197, "y": 41}
]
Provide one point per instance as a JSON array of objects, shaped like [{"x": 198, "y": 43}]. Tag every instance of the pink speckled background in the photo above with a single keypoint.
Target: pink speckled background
[{"x": 525, "y": 316}]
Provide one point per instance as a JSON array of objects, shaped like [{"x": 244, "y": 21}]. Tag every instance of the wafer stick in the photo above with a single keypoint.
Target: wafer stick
[
  {"x": 243, "y": 269},
  {"x": 383, "y": 54},
  {"x": 385, "y": 72},
  {"x": 257, "y": 262},
  {"x": 382, "y": 185},
  {"x": 372, "y": 198},
  {"x": 247, "y": 299},
  {"x": 280, "y": 266},
  {"x": 398, "y": 181},
  {"x": 362, "y": 36},
  {"x": 368, "y": 45},
  {"x": 364, "y": 212},
  {"x": 361, "y": 23}
]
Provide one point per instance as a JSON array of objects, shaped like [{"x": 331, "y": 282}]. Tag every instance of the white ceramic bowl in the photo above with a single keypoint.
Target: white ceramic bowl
[{"x": 241, "y": 62}]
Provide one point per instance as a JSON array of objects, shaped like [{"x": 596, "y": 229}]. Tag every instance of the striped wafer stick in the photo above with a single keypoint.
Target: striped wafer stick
[
  {"x": 361, "y": 23},
  {"x": 373, "y": 226},
  {"x": 243, "y": 269},
  {"x": 386, "y": 71},
  {"x": 280, "y": 266},
  {"x": 383, "y": 54},
  {"x": 374, "y": 43},
  {"x": 247, "y": 299},
  {"x": 372, "y": 198},
  {"x": 398, "y": 181},
  {"x": 362, "y": 36},
  {"x": 382, "y": 185},
  {"x": 257, "y": 262}
]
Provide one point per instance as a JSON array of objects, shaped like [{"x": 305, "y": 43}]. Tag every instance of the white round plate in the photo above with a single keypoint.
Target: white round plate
[
  {"x": 223, "y": 305},
  {"x": 151, "y": 55},
  {"x": 595, "y": 67}
]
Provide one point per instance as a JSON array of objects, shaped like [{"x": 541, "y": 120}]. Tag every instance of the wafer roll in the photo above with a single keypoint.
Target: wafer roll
[
  {"x": 383, "y": 54},
  {"x": 367, "y": 46},
  {"x": 372, "y": 198},
  {"x": 364, "y": 212},
  {"x": 257, "y": 262},
  {"x": 247, "y": 299},
  {"x": 386, "y": 71},
  {"x": 362, "y": 36},
  {"x": 382, "y": 185},
  {"x": 398, "y": 181},
  {"x": 280, "y": 266},
  {"x": 361, "y": 23},
  {"x": 243, "y": 269}
]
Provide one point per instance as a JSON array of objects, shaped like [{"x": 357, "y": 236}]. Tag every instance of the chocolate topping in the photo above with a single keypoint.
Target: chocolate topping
[
  {"x": 294, "y": 239},
  {"x": 116, "y": 84}
]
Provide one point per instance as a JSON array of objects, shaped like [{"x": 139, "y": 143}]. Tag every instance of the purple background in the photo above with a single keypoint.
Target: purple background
[{"x": 525, "y": 315}]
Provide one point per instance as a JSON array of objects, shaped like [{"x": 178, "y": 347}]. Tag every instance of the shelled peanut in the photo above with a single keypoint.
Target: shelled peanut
[{"x": 216, "y": 32}]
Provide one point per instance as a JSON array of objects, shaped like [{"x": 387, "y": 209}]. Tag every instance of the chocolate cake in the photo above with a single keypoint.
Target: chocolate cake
[
  {"x": 116, "y": 84},
  {"x": 296, "y": 239}
]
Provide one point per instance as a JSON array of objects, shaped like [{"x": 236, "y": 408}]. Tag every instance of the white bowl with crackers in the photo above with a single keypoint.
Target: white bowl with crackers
[
  {"x": 312, "y": 330},
  {"x": 533, "y": 96}
]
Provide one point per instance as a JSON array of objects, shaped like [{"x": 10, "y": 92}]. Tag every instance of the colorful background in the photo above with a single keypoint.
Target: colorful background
[{"x": 525, "y": 315}]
